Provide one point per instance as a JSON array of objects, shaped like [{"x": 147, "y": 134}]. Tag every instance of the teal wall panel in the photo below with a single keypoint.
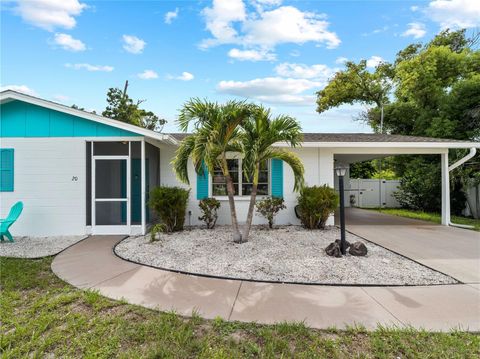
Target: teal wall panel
[
  {"x": 21, "y": 119},
  {"x": 12, "y": 119},
  {"x": 37, "y": 122},
  {"x": 61, "y": 123},
  {"x": 277, "y": 178}
]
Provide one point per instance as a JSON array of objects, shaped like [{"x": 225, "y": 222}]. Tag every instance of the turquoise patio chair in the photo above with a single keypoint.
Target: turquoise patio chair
[{"x": 7, "y": 222}]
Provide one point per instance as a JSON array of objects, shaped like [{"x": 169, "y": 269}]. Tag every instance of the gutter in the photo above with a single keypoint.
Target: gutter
[{"x": 460, "y": 162}]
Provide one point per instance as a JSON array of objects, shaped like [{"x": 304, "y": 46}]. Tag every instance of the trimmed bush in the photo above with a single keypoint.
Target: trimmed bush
[
  {"x": 269, "y": 207},
  {"x": 316, "y": 204},
  {"x": 209, "y": 207},
  {"x": 170, "y": 203}
]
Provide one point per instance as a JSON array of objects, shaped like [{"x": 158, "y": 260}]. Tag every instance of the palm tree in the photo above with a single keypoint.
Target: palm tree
[
  {"x": 215, "y": 132},
  {"x": 259, "y": 133}
]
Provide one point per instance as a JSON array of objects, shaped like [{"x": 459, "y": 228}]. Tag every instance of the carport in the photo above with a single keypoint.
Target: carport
[{"x": 357, "y": 147}]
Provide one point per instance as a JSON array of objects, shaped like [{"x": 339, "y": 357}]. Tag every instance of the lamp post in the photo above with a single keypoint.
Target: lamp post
[{"x": 341, "y": 170}]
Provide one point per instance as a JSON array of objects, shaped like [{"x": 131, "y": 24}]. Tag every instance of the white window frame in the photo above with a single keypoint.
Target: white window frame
[{"x": 240, "y": 196}]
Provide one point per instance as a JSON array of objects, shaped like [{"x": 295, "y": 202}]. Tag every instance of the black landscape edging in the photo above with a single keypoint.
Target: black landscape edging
[{"x": 288, "y": 282}]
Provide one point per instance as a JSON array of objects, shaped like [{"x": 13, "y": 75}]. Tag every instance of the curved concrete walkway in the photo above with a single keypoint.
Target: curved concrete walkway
[{"x": 92, "y": 264}]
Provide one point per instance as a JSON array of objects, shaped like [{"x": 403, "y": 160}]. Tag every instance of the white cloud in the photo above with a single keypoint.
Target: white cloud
[
  {"x": 341, "y": 60},
  {"x": 133, "y": 44},
  {"x": 88, "y": 67},
  {"x": 287, "y": 24},
  {"x": 374, "y": 61},
  {"x": 170, "y": 16},
  {"x": 185, "y": 76},
  {"x": 454, "y": 13},
  {"x": 67, "y": 42},
  {"x": 229, "y": 23},
  {"x": 294, "y": 53},
  {"x": 414, "y": 8},
  {"x": 415, "y": 29},
  {"x": 274, "y": 90},
  {"x": 60, "y": 98},
  {"x": 50, "y": 14},
  {"x": 251, "y": 55},
  {"x": 148, "y": 75},
  {"x": 219, "y": 21},
  {"x": 19, "y": 88},
  {"x": 302, "y": 71}
]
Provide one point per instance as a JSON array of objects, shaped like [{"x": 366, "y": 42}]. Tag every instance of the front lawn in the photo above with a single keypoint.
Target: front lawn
[
  {"x": 428, "y": 216},
  {"x": 41, "y": 316}
]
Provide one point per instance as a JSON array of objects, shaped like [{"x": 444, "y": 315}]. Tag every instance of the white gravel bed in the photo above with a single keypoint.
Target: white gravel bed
[
  {"x": 284, "y": 254},
  {"x": 36, "y": 247}
]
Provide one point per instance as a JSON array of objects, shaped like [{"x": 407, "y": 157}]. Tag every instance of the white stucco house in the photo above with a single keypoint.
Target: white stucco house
[{"x": 80, "y": 173}]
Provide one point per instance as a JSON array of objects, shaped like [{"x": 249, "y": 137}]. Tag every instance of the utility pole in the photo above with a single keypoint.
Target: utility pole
[{"x": 125, "y": 89}]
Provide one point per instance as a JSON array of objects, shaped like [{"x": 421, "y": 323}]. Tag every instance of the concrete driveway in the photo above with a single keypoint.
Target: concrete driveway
[{"x": 450, "y": 250}]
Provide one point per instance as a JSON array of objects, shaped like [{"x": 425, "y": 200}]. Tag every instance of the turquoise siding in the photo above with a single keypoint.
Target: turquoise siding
[
  {"x": 6, "y": 169},
  {"x": 202, "y": 183},
  {"x": 21, "y": 119},
  {"x": 277, "y": 178}
]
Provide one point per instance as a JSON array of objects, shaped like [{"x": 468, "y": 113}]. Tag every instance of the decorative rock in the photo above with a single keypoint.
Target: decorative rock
[
  {"x": 358, "y": 249},
  {"x": 333, "y": 250},
  {"x": 347, "y": 243}
]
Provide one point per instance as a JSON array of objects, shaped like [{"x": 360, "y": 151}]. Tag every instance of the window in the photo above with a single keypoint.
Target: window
[
  {"x": 6, "y": 170},
  {"x": 242, "y": 186}
]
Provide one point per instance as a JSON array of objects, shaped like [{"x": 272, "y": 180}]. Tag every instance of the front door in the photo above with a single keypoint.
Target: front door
[{"x": 111, "y": 195}]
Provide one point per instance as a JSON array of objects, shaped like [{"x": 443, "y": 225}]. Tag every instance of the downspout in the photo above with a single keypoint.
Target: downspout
[{"x": 460, "y": 162}]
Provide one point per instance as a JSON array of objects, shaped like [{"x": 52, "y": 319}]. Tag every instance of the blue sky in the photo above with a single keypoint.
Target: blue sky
[{"x": 270, "y": 51}]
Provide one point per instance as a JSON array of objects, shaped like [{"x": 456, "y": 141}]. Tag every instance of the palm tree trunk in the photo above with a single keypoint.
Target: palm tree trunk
[
  {"x": 237, "y": 236},
  {"x": 251, "y": 207}
]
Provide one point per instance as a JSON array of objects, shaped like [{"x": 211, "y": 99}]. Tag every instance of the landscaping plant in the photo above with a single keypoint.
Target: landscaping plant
[
  {"x": 156, "y": 229},
  {"x": 170, "y": 203},
  {"x": 259, "y": 133},
  {"x": 316, "y": 204},
  {"x": 269, "y": 207},
  {"x": 215, "y": 132},
  {"x": 209, "y": 207}
]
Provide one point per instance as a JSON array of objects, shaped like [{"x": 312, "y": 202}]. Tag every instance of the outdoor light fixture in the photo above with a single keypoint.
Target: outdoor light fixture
[{"x": 341, "y": 171}]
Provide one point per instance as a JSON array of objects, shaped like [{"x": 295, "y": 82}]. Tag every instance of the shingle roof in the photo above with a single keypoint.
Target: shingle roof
[{"x": 353, "y": 137}]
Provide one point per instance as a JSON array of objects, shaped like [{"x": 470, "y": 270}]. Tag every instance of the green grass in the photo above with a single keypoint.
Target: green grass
[
  {"x": 428, "y": 216},
  {"x": 41, "y": 316}
]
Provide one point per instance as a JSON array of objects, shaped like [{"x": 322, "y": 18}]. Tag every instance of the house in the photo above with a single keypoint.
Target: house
[{"x": 81, "y": 173}]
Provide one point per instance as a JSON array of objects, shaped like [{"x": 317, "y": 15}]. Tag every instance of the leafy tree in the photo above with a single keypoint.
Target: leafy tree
[
  {"x": 259, "y": 133},
  {"x": 356, "y": 84},
  {"x": 122, "y": 108},
  {"x": 363, "y": 169},
  {"x": 216, "y": 131},
  {"x": 436, "y": 94}
]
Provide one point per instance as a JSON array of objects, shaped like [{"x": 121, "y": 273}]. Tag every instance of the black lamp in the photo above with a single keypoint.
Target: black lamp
[{"x": 341, "y": 171}]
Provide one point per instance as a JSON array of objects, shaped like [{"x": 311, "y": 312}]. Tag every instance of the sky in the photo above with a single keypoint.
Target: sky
[{"x": 277, "y": 53}]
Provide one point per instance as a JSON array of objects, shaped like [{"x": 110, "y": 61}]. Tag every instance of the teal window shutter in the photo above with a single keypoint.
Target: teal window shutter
[
  {"x": 202, "y": 183},
  {"x": 6, "y": 170},
  {"x": 277, "y": 177}
]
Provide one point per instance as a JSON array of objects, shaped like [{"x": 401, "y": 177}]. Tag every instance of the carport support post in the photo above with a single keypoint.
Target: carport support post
[
  {"x": 143, "y": 184},
  {"x": 445, "y": 190}
]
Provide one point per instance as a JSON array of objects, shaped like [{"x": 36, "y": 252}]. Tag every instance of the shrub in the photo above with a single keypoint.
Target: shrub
[
  {"x": 209, "y": 207},
  {"x": 170, "y": 203},
  {"x": 157, "y": 228},
  {"x": 269, "y": 207},
  {"x": 316, "y": 204}
]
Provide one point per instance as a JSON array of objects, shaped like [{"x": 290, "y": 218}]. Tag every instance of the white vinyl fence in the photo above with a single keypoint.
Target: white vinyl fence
[
  {"x": 473, "y": 202},
  {"x": 372, "y": 193}
]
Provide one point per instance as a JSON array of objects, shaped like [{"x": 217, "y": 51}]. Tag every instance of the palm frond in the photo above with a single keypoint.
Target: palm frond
[{"x": 292, "y": 160}]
